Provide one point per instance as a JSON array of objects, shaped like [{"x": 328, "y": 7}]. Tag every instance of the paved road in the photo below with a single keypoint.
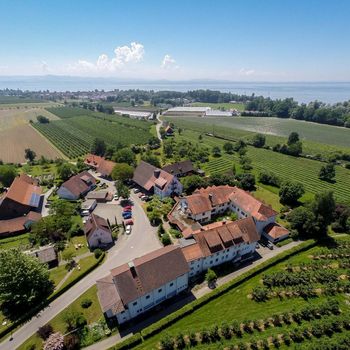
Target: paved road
[{"x": 142, "y": 240}]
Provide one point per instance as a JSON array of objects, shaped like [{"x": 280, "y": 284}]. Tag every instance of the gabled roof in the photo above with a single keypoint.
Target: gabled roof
[
  {"x": 148, "y": 176},
  {"x": 220, "y": 237},
  {"x": 102, "y": 165},
  {"x": 19, "y": 224},
  {"x": 45, "y": 254},
  {"x": 93, "y": 160},
  {"x": 149, "y": 272},
  {"x": 80, "y": 183},
  {"x": 179, "y": 168},
  {"x": 93, "y": 223},
  {"x": 24, "y": 190},
  {"x": 275, "y": 231}
]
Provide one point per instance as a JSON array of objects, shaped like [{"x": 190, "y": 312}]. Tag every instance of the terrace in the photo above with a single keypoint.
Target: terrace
[{"x": 179, "y": 218}]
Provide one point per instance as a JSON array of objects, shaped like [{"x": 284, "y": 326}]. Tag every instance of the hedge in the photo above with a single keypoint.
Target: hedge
[
  {"x": 188, "y": 309},
  {"x": 128, "y": 343},
  {"x": 50, "y": 299}
]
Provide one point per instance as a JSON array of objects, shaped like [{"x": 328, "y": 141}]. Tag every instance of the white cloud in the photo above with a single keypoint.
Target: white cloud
[
  {"x": 246, "y": 72},
  {"x": 123, "y": 55},
  {"x": 168, "y": 63}
]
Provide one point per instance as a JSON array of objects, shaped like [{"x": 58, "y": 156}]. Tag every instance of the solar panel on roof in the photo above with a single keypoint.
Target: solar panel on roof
[{"x": 34, "y": 200}]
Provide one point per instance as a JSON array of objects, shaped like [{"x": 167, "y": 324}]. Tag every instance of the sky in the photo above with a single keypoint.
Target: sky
[{"x": 235, "y": 40}]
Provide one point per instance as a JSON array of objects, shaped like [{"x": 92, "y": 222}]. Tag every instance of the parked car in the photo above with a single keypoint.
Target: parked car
[
  {"x": 269, "y": 245},
  {"x": 126, "y": 210},
  {"x": 85, "y": 213},
  {"x": 129, "y": 222},
  {"x": 137, "y": 190},
  {"x": 128, "y": 229},
  {"x": 127, "y": 215},
  {"x": 115, "y": 197},
  {"x": 129, "y": 207},
  {"x": 145, "y": 198}
]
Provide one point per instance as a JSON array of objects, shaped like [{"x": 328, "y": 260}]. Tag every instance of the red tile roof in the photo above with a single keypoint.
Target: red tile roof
[
  {"x": 22, "y": 190},
  {"x": 93, "y": 160},
  {"x": 148, "y": 176},
  {"x": 102, "y": 165},
  {"x": 78, "y": 184},
  {"x": 276, "y": 231},
  {"x": 17, "y": 225},
  {"x": 149, "y": 272}
]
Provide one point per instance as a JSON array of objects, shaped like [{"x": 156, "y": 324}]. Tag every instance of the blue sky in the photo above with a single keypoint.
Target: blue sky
[{"x": 250, "y": 40}]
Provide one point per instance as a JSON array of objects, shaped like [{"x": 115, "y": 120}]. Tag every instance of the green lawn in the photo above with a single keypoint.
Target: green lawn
[
  {"x": 21, "y": 241},
  {"x": 236, "y": 305},
  {"x": 58, "y": 273},
  {"x": 92, "y": 314},
  {"x": 74, "y": 241}
]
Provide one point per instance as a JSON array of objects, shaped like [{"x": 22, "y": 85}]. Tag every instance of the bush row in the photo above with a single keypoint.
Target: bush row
[{"x": 129, "y": 343}]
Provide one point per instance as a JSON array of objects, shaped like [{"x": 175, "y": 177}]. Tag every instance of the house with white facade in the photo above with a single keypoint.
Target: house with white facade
[
  {"x": 97, "y": 231},
  {"x": 156, "y": 181},
  {"x": 138, "y": 286},
  {"x": 220, "y": 242},
  {"x": 77, "y": 186},
  {"x": 206, "y": 203}
]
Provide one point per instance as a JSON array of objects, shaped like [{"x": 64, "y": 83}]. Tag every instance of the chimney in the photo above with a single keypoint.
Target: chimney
[
  {"x": 132, "y": 269},
  {"x": 156, "y": 173},
  {"x": 210, "y": 197}
]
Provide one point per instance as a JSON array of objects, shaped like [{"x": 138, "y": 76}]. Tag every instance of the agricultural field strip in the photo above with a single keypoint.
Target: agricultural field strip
[{"x": 298, "y": 169}]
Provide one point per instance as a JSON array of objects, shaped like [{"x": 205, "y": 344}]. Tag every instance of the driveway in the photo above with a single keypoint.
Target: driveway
[
  {"x": 44, "y": 209},
  {"x": 158, "y": 126},
  {"x": 142, "y": 240}
]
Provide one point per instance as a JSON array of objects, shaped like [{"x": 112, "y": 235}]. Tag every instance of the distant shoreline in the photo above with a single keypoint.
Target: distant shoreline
[{"x": 329, "y": 92}]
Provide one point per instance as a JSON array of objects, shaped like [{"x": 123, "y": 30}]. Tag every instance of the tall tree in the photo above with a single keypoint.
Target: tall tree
[
  {"x": 125, "y": 155},
  {"x": 290, "y": 192},
  {"x": 24, "y": 281},
  {"x": 7, "y": 174},
  {"x": 122, "y": 172},
  {"x": 327, "y": 172},
  {"x": 98, "y": 147},
  {"x": 29, "y": 155},
  {"x": 293, "y": 138},
  {"x": 259, "y": 140}
]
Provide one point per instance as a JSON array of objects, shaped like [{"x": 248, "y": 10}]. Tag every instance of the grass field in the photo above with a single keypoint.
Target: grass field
[
  {"x": 15, "y": 99},
  {"x": 317, "y": 138},
  {"x": 14, "y": 141},
  {"x": 236, "y": 305},
  {"x": 21, "y": 241},
  {"x": 74, "y": 135},
  {"x": 226, "y": 106},
  {"x": 286, "y": 167}
]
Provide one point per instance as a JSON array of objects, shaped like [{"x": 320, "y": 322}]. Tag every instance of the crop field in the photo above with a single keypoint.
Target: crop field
[
  {"x": 238, "y": 106},
  {"x": 10, "y": 118},
  {"x": 286, "y": 167},
  {"x": 74, "y": 136},
  {"x": 15, "y": 140},
  {"x": 317, "y": 138},
  {"x": 69, "y": 112},
  {"x": 15, "y": 99},
  {"x": 289, "y": 305}
]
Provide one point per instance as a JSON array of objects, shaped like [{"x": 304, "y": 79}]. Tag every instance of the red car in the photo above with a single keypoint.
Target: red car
[
  {"x": 126, "y": 209},
  {"x": 129, "y": 222}
]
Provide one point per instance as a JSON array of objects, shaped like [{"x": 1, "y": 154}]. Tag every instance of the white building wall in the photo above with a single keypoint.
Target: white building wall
[{"x": 100, "y": 237}]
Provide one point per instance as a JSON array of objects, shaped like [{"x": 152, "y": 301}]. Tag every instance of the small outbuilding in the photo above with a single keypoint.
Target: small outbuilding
[
  {"x": 46, "y": 255},
  {"x": 275, "y": 233}
]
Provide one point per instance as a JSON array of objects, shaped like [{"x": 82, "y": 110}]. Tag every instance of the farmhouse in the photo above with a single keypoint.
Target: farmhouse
[
  {"x": 23, "y": 196},
  {"x": 77, "y": 186},
  {"x": 205, "y": 203},
  {"x": 214, "y": 245},
  {"x": 156, "y": 181},
  {"x": 180, "y": 169},
  {"x": 15, "y": 226},
  {"x": 101, "y": 165},
  {"x": 97, "y": 231},
  {"x": 134, "y": 288}
]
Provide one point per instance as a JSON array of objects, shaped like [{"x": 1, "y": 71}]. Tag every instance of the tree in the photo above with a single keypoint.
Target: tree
[
  {"x": 154, "y": 142},
  {"x": 7, "y": 174},
  {"x": 323, "y": 207},
  {"x": 66, "y": 170},
  {"x": 74, "y": 320},
  {"x": 228, "y": 147},
  {"x": 45, "y": 331},
  {"x": 162, "y": 132},
  {"x": 210, "y": 276},
  {"x": 303, "y": 220},
  {"x": 98, "y": 147},
  {"x": 125, "y": 155},
  {"x": 190, "y": 183},
  {"x": 24, "y": 281},
  {"x": 341, "y": 221},
  {"x": 71, "y": 342},
  {"x": 246, "y": 181},
  {"x": 29, "y": 154},
  {"x": 293, "y": 138},
  {"x": 151, "y": 159},
  {"x": 43, "y": 120},
  {"x": 216, "y": 151},
  {"x": 290, "y": 192},
  {"x": 122, "y": 190},
  {"x": 166, "y": 239},
  {"x": 327, "y": 172},
  {"x": 54, "y": 342},
  {"x": 122, "y": 172},
  {"x": 269, "y": 178},
  {"x": 259, "y": 140}
]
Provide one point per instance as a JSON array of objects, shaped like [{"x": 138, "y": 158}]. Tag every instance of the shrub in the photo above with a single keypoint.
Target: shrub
[
  {"x": 86, "y": 303},
  {"x": 167, "y": 343},
  {"x": 71, "y": 342},
  {"x": 54, "y": 342},
  {"x": 260, "y": 294},
  {"x": 180, "y": 341},
  {"x": 74, "y": 320},
  {"x": 98, "y": 252},
  {"x": 45, "y": 331},
  {"x": 210, "y": 276},
  {"x": 166, "y": 239}
]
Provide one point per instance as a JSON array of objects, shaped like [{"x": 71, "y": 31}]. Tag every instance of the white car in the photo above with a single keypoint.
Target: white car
[
  {"x": 137, "y": 190},
  {"x": 115, "y": 197},
  {"x": 128, "y": 229},
  {"x": 85, "y": 213}
]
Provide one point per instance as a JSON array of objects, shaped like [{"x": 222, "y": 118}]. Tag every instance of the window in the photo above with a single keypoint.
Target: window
[
  {"x": 160, "y": 290},
  {"x": 147, "y": 297},
  {"x": 192, "y": 262},
  {"x": 134, "y": 303},
  {"x": 216, "y": 260},
  {"x": 171, "y": 284}
]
